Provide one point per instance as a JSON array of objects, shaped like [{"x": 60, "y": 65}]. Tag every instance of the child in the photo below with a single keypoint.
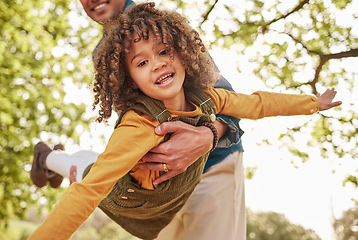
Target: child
[{"x": 153, "y": 68}]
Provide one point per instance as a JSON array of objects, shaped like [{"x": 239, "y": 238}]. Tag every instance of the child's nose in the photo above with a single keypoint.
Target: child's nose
[{"x": 159, "y": 64}]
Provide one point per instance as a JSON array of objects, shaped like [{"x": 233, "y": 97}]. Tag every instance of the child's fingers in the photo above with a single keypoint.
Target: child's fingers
[
  {"x": 326, "y": 99},
  {"x": 335, "y": 104},
  {"x": 329, "y": 93},
  {"x": 332, "y": 94}
]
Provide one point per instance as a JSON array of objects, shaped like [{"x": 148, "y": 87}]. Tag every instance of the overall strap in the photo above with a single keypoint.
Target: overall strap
[
  {"x": 156, "y": 109},
  {"x": 151, "y": 107},
  {"x": 145, "y": 213},
  {"x": 200, "y": 98}
]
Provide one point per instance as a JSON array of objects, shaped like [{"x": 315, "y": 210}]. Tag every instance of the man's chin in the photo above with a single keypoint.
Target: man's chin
[
  {"x": 104, "y": 19},
  {"x": 114, "y": 16}
]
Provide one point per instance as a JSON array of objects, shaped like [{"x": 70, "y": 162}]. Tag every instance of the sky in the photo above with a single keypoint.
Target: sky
[{"x": 309, "y": 193}]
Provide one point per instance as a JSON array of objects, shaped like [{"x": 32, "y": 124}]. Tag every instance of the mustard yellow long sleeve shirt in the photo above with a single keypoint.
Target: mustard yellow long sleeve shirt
[{"x": 135, "y": 136}]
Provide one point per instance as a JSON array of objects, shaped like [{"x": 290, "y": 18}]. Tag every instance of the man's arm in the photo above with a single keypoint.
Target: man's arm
[{"x": 186, "y": 144}]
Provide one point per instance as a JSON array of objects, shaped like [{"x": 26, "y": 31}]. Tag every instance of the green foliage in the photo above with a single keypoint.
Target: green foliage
[
  {"x": 293, "y": 46},
  {"x": 38, "y": 51},
  {"x": 271, "y": 225},
  {"x": 41, "y": 50},
  {"x": 346, "y": 227},
  {"x": 98, "y": 226},
  {"x": 351, "y": 179},
  {"x": 250, "y": 172},
  {"x": 331, "y": 140},
  {"x": 261, "y": 226},
  {"x": 18, "y": 230},
  {"x": 114, "y": 231}
]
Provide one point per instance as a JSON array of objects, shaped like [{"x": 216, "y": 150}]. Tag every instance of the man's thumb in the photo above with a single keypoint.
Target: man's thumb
[
  {"x": 158, "y": 130},
  {"x": 169, "y": 127}
]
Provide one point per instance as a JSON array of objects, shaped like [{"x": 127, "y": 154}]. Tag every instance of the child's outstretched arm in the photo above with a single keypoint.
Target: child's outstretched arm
[
  {"x": 325, "y": 99},
  {"x": 268, "y": 104}
]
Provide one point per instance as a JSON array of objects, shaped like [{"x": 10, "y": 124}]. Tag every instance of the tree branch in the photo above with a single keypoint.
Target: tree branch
[
  {"x": 323, "y": 60},
  {"x": 303, "y": 45},
  {"x": 297, "y": 8},
  {"x": 326, "y": 58},
  {"x": 264, "y": 27},
  {"x": 205, "y": 17},
  {"x": 347, "y": 54}
]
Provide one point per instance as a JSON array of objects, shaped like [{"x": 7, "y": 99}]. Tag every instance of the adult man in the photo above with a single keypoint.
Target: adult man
[{"x": 216, "y": 210}]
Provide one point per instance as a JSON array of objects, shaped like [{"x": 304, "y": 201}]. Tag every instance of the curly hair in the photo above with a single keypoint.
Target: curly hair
[{"x": 113, "y": 86}]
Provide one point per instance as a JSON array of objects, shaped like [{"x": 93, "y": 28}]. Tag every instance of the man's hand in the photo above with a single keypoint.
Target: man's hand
[
  {"x": 325, "y": 100},
  {"x": 186, "y": 144}
]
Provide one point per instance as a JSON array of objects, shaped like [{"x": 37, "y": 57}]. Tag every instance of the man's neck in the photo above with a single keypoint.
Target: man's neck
[{"x": 127, "y": 4}]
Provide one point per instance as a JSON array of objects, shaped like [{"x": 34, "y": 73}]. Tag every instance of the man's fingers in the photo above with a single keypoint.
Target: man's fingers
[
  {"x": 152, "y": 166},
  {"x": 168, "y": 127},
  {"x": 159, "y": 167},
  {"x": 154, "y": 156},
  {"x": 165, "y": 177}
]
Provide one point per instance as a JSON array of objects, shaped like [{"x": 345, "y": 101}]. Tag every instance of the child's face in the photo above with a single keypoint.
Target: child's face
[{"x": 156, "y": 73}]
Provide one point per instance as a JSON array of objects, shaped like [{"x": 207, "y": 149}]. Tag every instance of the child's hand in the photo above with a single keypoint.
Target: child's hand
[{"x": 325, "y": 100}]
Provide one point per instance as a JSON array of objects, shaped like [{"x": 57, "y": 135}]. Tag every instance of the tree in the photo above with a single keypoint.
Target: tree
[
  {"x": 346, "y": 227},
  {"x": 40, "y": 52},
  {"x": 100, "y": 226},
  {"x": 286, "y": 41},
  {"x": 271, "y": 225}
]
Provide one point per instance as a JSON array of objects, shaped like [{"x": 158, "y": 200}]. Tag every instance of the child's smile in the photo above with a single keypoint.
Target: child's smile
[
  {"x": 166, "y": 78},
  {"x": 157, "y": 73}
]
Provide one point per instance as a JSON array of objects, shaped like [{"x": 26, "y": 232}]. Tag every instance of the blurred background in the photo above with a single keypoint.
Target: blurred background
[{"x": 301, "y": 171}]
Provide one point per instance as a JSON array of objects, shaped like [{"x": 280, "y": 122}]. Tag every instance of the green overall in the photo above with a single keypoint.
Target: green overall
[{"x": 142, "y": 212}]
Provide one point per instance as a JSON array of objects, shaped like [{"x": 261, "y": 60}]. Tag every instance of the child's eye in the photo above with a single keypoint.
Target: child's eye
[
  {"x": 163, "y": 52},
  {"x": 142, "y": 63}
]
